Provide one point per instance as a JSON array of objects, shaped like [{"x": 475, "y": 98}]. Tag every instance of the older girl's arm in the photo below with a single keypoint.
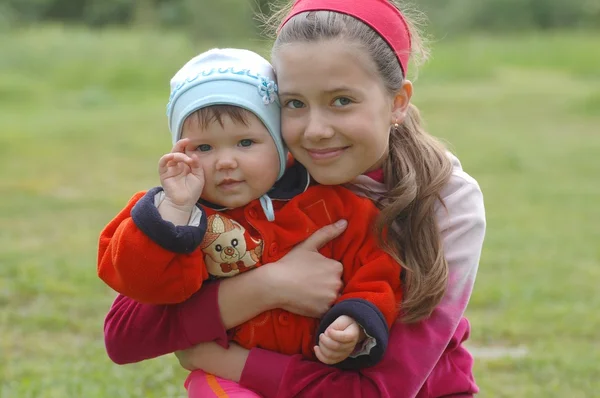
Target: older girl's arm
[
  {"x": 134, "y": 332},
  {"x": 303, "y": 282}
]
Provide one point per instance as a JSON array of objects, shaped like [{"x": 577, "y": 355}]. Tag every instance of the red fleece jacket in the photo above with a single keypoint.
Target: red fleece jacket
[{"x": 137, "y": 257}]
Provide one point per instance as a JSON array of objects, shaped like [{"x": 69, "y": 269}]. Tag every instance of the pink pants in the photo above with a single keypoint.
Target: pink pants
[{"x": 204, "y": 385}]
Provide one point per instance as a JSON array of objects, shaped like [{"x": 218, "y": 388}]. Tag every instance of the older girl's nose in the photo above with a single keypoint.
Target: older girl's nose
[{"x": 317, "y": 128}]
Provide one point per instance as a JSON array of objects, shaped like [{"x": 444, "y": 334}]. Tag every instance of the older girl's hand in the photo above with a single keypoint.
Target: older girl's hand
[
  {"x": 227, "y": 363},
  {"x": 304, "y": 282}
]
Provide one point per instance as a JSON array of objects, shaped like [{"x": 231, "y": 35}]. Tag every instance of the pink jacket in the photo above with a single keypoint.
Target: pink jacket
[{"x": 422, "y": 360}]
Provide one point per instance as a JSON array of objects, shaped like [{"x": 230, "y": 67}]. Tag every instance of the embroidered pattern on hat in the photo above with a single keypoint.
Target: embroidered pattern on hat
[{"x": 267, "y": 90}]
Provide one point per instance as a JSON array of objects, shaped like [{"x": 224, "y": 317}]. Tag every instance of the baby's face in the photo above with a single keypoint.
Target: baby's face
[{"x": 240, "y": 161}]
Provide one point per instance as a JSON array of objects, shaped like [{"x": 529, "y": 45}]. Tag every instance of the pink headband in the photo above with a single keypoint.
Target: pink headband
[{"x": 380, "y": 15}]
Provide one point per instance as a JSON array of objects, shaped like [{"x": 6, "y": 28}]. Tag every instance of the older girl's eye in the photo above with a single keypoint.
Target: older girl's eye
[
  {"x": 294, "y": 104},
  {"x": 246, "y": 142},
  {"x": 342, "y": 101},
  {"x": 204, "y": 148}
]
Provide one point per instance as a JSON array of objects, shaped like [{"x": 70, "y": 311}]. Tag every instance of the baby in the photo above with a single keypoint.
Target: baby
[{"x": 230, "y": 201}]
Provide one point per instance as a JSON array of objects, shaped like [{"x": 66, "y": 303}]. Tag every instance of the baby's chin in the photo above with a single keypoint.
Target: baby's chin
[{"x": 233, "y": 203}]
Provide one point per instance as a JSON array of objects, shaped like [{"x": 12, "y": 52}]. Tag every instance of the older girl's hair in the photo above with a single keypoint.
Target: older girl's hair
[{"x": 415, "y": 171}]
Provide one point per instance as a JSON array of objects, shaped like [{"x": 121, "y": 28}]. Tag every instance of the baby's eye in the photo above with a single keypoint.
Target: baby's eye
[
  {"x": 204, "y": 148},
  {"x": 342, "y": 101},
  {"x": 246, "y": 142},
  {"x": 294, "y": 104}
]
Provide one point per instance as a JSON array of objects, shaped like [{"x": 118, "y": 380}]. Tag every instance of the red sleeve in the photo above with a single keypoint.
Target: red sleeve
[
  {"x": 369, "y": 272},
  {"x": 135, "y": 265},
  {"x": 134, "y": 332},
  {"x": 376, "y": 281},
  {"x": 372, "y": 292}
]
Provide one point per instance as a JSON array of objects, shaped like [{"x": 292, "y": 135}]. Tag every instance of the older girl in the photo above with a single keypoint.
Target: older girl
[{"x": 347, "y": 117}]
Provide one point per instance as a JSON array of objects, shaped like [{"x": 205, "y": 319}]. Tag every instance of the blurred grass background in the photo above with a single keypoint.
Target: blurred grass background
[{"x": 82, "y": 126}]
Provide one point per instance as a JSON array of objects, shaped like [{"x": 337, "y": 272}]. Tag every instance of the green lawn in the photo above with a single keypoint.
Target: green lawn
[{"x": 82, "y": 126}]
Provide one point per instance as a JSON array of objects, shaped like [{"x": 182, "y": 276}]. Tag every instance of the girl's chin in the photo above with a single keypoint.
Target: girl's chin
[{"x": 330, "y": 176}]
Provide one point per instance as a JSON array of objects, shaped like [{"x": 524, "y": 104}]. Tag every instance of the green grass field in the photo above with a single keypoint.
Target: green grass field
[{"x": 82, "y": 126}]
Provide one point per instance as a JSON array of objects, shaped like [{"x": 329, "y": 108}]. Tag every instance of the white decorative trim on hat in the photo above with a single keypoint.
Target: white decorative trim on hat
[{"x": 267, "y": 89}]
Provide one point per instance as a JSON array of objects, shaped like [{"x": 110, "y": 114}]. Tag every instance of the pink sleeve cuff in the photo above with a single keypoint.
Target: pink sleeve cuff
[
  {"x": 264, "y": 371},
  {"x": 201, "y": 319}
]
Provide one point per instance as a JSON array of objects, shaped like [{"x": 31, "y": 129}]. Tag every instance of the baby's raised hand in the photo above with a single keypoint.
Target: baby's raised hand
[
  {"x": 181, "y": 176},
  {"x": 339, "y": 340}
]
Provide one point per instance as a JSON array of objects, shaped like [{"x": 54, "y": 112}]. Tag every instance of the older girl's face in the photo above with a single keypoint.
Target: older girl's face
[{"x": 336, "y": 113}]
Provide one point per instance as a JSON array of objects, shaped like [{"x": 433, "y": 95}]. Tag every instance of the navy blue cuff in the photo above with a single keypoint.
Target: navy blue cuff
[
  {"x": 373, "y": 322},
  {"x": 182, "y": 239}
]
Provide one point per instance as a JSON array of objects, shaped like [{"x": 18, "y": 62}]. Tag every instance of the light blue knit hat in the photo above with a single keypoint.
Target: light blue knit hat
[{"x": 227, "y": 76}]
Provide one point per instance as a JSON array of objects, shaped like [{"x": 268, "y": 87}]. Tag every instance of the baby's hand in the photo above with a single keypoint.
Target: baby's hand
[
  {"x": 339, "y": 340},
  {"x": 181, "y": 176}
]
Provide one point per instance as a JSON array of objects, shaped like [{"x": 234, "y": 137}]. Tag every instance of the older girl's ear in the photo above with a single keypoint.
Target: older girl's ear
[{"x": 401, "y": 101}]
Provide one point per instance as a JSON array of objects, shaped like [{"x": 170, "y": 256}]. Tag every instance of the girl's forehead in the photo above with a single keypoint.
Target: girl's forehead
[
  {"x": 325, "y": 64},
  {"x": 326, "y": 48}
]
